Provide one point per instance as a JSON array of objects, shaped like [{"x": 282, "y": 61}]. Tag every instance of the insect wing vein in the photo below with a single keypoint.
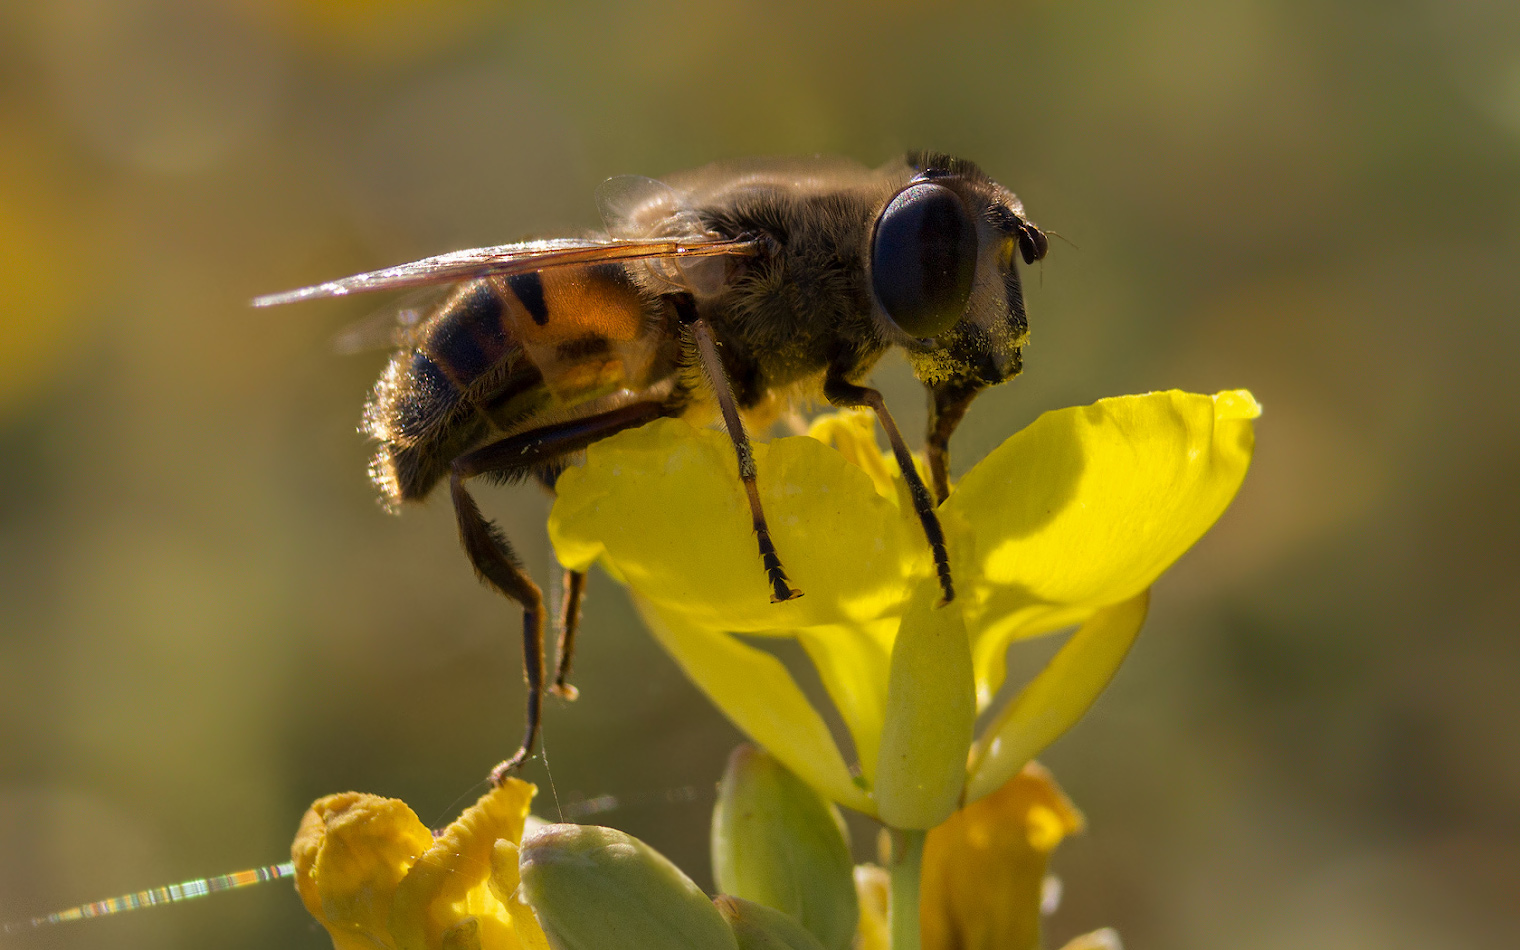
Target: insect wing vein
[{"x": 509, "y": 259}]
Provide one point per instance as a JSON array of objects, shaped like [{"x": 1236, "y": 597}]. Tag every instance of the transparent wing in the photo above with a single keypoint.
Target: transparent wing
[
  {"x": 635, "y": 207},
  {"x": 395, "y": 325},
  {"x": 509, "y": 259}
]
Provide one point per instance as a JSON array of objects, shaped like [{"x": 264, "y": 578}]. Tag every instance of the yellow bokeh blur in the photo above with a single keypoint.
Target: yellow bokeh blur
[{"x": 206, "y": 621}]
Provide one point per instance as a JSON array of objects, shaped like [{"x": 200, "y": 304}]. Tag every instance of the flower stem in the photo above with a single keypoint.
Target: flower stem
[{"x": 907, "y": 857}]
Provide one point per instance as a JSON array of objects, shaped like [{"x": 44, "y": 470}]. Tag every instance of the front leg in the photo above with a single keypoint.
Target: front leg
[
  {"x": 707, "y": 354},
  {"x": 947, "y": 407},
  {"x": 841, "y": 392}
]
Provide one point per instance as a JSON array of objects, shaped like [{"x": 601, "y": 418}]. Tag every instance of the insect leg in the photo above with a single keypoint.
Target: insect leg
[
  {"x": 569, "y": 620},
  {"x": 495, "y": 562},
  {"x": 707, "y": 350},
  {"x": 840, "y": 392},
  {"x": 947, "y": 406},
  {"x": 517, "y": 457},
  {"x": 570, "y": 625}
]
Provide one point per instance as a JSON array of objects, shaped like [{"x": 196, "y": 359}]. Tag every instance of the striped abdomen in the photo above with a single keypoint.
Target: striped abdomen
[{"x": 500, "y": 351}]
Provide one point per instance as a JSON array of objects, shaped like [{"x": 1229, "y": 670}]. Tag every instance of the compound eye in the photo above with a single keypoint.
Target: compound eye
[{"x": 923, "y": 259}]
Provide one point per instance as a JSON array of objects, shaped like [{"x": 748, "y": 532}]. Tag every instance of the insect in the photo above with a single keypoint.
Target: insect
[{"x": 741, "y": 287}]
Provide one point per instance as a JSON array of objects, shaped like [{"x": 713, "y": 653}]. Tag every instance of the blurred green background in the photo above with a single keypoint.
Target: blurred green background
[{"x": 206, "y": 621}]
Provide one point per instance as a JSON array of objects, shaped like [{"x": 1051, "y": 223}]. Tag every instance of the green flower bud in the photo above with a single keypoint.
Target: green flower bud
[
  {"x": 599, "y": 889},
  {"x": 758, "y": 927},
  {"x": 930, "y": 715},
  {"x": 777, "y": 842}
]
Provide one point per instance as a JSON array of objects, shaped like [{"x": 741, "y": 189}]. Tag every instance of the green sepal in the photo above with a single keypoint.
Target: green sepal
[
  {"x": 758, "y": 927},
  {"x": 777, "y": 842},
  {"x": 595, "y": 888}
]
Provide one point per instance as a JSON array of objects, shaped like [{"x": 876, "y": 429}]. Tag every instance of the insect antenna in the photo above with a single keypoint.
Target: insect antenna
[
  {"x": 1057, "y": 234},
  {"x": 173, "y": 893}
]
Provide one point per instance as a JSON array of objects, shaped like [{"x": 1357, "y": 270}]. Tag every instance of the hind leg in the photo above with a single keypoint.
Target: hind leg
[
  {"x": 491, "y": 554},
  {"x": 568, "y": 622},
  {"x": 497, "y": 565},
  {"x": 569, "y": 626}
]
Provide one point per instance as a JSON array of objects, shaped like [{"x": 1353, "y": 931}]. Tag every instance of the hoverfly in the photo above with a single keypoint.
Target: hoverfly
[{"x": 746, "y": 285}]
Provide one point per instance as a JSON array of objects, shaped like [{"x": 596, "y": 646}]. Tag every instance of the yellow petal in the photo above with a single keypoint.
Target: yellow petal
[
  {"x": 1086, "y": 507},
  {"x": 758, "y": 695},
  {"x": 984, "y": 867},
  {"x": 350, "y": 853},
  {"x": 930, "y": 715},
  {"x": 375, "y": 876},
  {"x": 853, "y": 662},
  {"x": 872, "y": 885},
  {"x": 450, "y": 881},
  {"x": 506, "y": 877},
  {"x": 852, "y": 433},
  {"x": 663, "y": 508},
  {"x": 1056, "y": 698}
]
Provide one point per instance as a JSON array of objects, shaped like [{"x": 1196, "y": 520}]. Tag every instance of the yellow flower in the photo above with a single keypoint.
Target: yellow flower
[
  {"x": 376, "y": 877},
  {"x": 984, "y": 868},
  {"x": 1066, "y": 524},
  {"x": 982, "y": 878}
]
